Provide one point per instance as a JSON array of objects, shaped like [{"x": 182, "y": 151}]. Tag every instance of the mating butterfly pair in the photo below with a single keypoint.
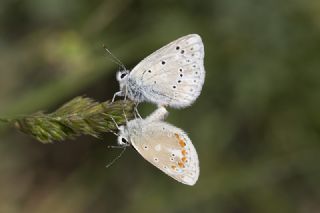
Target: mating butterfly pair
[{"x": 172, "y": 76}]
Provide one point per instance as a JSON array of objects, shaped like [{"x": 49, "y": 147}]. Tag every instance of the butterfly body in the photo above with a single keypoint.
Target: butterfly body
[
  {"x": 172, "y": 76},
  {"x": 164, "y": 145}
]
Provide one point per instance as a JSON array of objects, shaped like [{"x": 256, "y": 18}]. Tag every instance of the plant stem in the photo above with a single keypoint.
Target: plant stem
[{"x": 80, "y": 116}]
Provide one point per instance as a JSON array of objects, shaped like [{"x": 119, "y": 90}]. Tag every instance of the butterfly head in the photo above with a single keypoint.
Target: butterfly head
[
  {"x": 123, "y": 138},
  {"x": 122, "y": 75}
]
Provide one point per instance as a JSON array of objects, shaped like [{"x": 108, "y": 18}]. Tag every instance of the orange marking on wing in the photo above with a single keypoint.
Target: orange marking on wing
[
  {"x": 184, "y": 159},
  {"x": 181, "y": 142},
  {"x": 181, "y": 165},
  {"x": 184, "y": 152},
  {"x": 177, "y": 136},
  {"x": 173, "y": 167}
]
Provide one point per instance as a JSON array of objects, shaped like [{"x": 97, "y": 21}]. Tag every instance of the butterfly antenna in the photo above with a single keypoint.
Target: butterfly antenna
[
  {"x": 114, "y": 58},
  {"x": 115, "y": 147},
  {"x": 116, "y": 158}
]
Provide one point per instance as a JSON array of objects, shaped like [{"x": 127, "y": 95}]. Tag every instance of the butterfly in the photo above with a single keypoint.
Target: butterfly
[
  {"x": 171, "y": 76},
  {"x": 163, "y": 145}
]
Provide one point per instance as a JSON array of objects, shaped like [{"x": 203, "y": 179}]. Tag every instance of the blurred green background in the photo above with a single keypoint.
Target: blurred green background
[{"x": 256, "y": 125}]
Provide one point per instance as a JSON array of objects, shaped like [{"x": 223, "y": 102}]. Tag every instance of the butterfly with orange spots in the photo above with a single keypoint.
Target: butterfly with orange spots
[{"x": 164, "y": 145}]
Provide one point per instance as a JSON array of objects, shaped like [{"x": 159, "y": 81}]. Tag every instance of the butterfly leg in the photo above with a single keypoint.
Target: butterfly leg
[
  {"x": 115, "y": 123},
  {"x": 160, "y": 114},
  {"x": 115, "y": 95},
  {"x": 125, "y": 99},
  {"x": 136, "y": 110}
]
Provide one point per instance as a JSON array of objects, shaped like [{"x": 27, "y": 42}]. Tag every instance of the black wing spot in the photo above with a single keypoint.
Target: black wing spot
[
  {"x": 179, "y": 81},
  {"x": 181, "y": 75},
  {"x": 177, "y": 47},
  {"x": 174, "y": 86},
  {"x": 180, "y": 69},
  {"x": 182, "y": 51},
  {"x": 163, "y": 62},
  {"x": 149, "y": 71}
]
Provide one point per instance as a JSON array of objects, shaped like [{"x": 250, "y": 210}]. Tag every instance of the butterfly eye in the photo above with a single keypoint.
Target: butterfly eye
[
  {"x": 123, "y": 140},
  {"x": 123, "y": 75}
]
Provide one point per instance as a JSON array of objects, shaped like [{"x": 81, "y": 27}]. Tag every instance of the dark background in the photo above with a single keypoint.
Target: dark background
[{"x": 256, "y": 125}]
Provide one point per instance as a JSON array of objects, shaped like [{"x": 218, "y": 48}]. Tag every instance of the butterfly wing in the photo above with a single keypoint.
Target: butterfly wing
[
  {"x": 169, "y": 149},
  {"x": 174, "y": 74}
]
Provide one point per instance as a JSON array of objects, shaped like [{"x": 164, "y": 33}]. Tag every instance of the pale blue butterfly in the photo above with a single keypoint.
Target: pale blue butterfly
[{"x": 172, "y": 76}]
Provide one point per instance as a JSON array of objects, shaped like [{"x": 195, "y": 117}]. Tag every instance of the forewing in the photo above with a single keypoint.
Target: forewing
[
  {"x": 174, "y": 74},
  {"x": 169, "y": 149}
]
